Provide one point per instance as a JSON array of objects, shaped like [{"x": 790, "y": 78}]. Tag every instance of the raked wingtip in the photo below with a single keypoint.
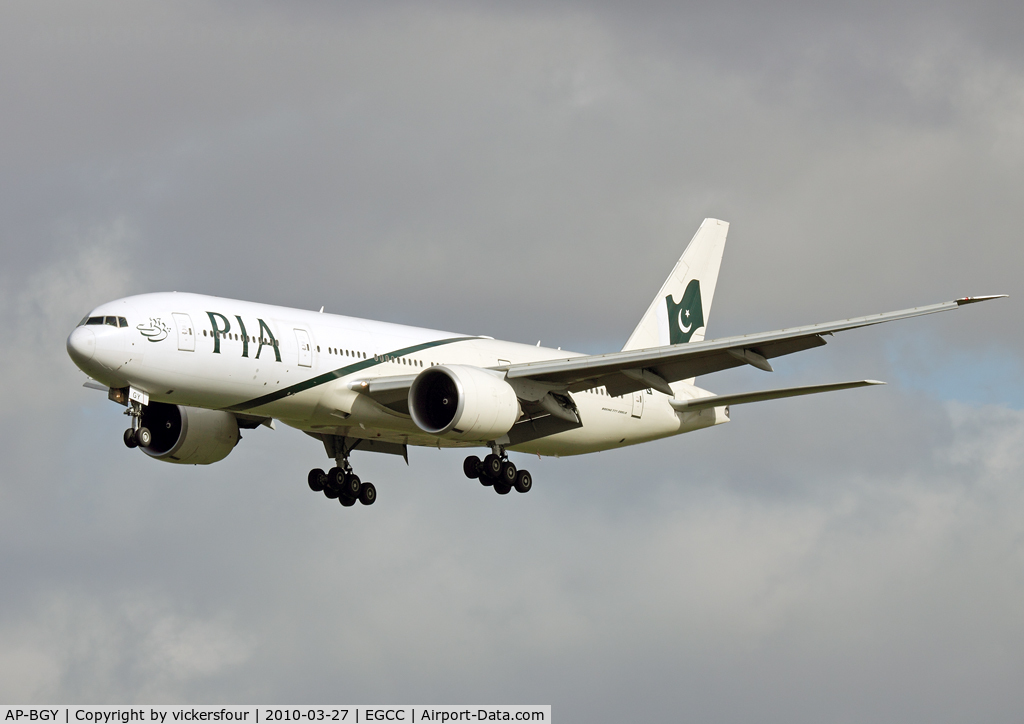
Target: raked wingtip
[{"x": 971, "y": 300}]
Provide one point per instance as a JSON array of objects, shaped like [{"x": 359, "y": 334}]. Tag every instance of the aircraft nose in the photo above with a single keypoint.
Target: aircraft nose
[{"x": 82, "y": 345}]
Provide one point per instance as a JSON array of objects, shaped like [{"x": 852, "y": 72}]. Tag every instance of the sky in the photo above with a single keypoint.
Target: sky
[{"x": 529, "y": 172}]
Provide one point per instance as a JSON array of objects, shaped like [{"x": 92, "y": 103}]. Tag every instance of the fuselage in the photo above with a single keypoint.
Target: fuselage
[{"x": 295, "y": 366}]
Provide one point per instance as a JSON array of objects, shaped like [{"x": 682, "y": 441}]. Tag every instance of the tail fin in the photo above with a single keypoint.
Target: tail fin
[{"x": 692, "y": 282}]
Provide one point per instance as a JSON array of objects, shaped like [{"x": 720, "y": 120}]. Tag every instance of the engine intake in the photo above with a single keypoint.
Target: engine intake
[
  {"x": 189, "y": 435},
  {"x": 467, "y": 403}
]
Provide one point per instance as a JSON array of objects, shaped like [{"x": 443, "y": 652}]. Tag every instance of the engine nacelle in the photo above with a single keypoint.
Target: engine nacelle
[
  {"x": 467, "y": 403},
  {"x": 189, "y": 435}
]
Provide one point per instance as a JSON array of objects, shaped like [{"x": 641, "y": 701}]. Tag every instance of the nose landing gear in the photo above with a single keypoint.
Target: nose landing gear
[
  {"x": 498, "y": 472},
  {"x": 137, "y": 435}
]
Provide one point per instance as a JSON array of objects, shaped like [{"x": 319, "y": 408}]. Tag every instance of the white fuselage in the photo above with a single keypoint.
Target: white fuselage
[{"x": 295, "y": 366}]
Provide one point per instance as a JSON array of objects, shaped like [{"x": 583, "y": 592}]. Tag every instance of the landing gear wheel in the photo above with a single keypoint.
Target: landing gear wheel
[
  {"x": 491, "y": 467},
  {"x": 470, "y": 466},
  {"x": 508, "y": 473},
  {"x": 524, "y": 481},
  {"x": 129, "y": 438},
  {"x": 502, "y": 488},
  {"x": 331, "y": 490},
  {"x": 347, "y": 502},
  {"x": 317, "y": 480},
  {"x": 367, "y": 494},
  {"x": 351, "y": 486},
  {"x": 143, "y": 437}
]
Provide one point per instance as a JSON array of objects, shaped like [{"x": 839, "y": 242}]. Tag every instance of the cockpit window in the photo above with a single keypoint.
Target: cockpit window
[{"x": 112, "y": 321}]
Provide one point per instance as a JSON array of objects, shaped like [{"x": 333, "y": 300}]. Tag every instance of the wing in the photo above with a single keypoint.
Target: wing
[{"x": 624, "y": 372}]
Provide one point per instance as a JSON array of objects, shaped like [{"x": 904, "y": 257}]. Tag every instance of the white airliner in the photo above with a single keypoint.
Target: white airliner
[{"x": 193, "y": 369}]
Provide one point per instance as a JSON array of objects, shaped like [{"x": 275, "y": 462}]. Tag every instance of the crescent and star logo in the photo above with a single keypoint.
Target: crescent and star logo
[
  {"x": 155, "y": 331},
  {"x": 686, "y": 316}
]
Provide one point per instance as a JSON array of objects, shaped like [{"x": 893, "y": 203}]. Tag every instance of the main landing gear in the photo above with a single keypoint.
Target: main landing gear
[
  {"x": 342, "y": 484},
  {"x": 498, "y": 472}
]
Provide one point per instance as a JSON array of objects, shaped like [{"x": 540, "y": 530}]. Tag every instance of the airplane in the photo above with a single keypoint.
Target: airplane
[{"x": 193, "y": 371}]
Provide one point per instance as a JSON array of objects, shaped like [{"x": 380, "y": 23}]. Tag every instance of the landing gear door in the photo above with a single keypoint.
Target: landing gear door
[
  {"x": 186, "y": 335},
  {"x": 305, "y": 350},
  {"x": 638, "y": 403}
]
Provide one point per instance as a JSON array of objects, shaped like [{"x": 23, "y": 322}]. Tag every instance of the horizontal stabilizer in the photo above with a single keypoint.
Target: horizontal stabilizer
[{"x": 702, "y": 403}]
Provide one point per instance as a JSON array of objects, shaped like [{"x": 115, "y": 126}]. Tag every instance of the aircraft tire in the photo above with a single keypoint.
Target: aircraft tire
[
  {"x": 346, "y": 501},
  {"x": 144, "y": 437},
  {"x": 524, "y": 482},
  {"x": 491, "y": 467},
  {"x": 331, "y": 491},
  {"x": 367, "y": 494},
  {"x": 486, "y": 481},
  {"x": 470, "y": 466},
  {"x": 351, "y": 486},
  {"x": 502, "y": 488},
  {"x": 129, "y": 438},
  {"x": 508, "y": 473},
  {"x": 317, "y": 480}
]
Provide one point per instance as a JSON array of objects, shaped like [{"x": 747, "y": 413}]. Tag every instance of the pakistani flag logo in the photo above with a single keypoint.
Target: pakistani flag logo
[{"x": 685, "y": 317}]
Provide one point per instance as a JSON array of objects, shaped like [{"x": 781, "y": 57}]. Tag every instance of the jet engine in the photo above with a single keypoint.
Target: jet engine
[
  {"x": 189, "y": 435},
  {"x": 467, "y": 403}
]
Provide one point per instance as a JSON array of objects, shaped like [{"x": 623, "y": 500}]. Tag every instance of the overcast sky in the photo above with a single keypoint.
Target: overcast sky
[{"x": 528, "y": 172}]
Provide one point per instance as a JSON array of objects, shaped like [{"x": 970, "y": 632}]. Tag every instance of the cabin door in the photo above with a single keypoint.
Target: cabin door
[
  {"x": 305, "y": 350},
  {"x": 638, "y": 403},
  {"x": 186, "y": 335}
]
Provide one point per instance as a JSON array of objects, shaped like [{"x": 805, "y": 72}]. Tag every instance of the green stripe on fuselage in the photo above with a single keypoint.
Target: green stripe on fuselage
[{"x": 339, "y": 373}]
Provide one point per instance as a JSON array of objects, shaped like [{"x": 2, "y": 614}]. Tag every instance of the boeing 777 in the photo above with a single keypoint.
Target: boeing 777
[{"x": 193, "y": 370}]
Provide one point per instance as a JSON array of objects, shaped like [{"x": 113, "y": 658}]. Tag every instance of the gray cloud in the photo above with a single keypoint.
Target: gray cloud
[{"x": 528, "y": 173}]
